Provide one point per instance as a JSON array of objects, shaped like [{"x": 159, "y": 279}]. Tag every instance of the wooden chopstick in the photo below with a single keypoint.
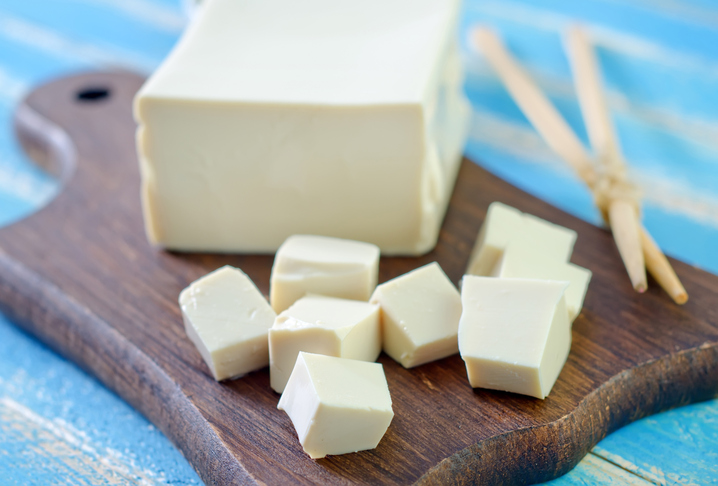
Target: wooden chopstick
[
  {"x": 591, "y": 98},
  {"x": 661, "y": 269},
  {"x": 547, "y": 121},
  {"x": 624, "y": 226},
  {"x": 558, "y": 135},
  {"x": 623, "y": 215}
]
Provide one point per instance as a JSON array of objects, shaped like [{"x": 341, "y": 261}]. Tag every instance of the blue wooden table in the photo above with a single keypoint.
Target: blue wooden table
[{"x": 660, "y": 63}]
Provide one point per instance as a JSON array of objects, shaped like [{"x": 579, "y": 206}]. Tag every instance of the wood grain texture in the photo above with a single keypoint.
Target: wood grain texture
[{"x": 81, "y": 276}]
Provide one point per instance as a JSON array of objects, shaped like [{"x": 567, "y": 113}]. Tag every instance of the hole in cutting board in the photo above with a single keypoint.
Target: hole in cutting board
[{"x": 93, "y": 94}]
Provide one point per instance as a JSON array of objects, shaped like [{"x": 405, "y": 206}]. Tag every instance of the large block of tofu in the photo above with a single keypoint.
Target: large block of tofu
[
  {"x": 420, "y": 313},
  {"x": 227, "y": 319},
  {"x": 277, "y": 117},
  {"x": 337, "y": 405},
  {"x": 514, "y": 334},
  {"x": 322, "y": 325},
  {"x": 307, "y": 264}
]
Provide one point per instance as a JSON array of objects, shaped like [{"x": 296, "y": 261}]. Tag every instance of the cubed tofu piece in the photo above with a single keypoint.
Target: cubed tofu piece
[
  {"x": 227, "y": 319},
  {"x": 504, "y": 224},
  {"x": 277, "y": 117},
  {"x": 420, "y": 313},
  {"x": 337, "y": 405},
  {"x": 514, "y": 334},
  {"x": 322, "y": 325},
  {"x": 523, "y": 260},
  {"x": 306, "y": 264}
]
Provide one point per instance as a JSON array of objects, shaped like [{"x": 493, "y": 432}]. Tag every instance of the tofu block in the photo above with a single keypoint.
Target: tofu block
[
  {"x": 322, "y": 325},
  {"x": 322, "y": 265},
  {"x": 337, "y": 405},
  {"x": 503, "y": 225},
  {"x": 227, "y": 319},
  {"x": 523, "y": 260},
  {"x": 276, "y": 117},
  {"x": 514, "y": 334},
  {"x": 420, "y": 313}
]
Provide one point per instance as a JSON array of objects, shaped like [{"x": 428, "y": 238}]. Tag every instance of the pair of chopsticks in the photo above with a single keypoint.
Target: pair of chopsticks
[{"x": 616, "y": 197}]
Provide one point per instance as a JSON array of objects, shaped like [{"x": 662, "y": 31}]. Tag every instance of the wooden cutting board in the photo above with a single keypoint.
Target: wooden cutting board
[{"x": 81, "y": 277}]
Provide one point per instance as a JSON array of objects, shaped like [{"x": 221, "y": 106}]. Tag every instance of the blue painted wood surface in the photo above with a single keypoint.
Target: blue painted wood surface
[
  {"x": 660, "y": 63},
  {"x": 58, "y": 426}
]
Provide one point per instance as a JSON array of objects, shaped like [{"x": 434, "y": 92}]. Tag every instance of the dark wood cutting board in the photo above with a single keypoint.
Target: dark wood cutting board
[{"x": 81, "y": 276}]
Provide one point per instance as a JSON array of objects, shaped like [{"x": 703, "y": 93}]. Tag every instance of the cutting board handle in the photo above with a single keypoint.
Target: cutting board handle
[{"x": 74, "y": 115}]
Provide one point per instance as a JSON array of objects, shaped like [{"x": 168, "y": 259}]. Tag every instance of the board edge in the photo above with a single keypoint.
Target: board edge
[{"x": 544, "y": 452}]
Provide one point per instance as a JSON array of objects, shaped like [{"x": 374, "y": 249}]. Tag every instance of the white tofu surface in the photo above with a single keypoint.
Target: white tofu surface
[
  {"x": 277, "y": 117},
  {"x": 514, "y": 334},
  {"x": 227, "y": 319},
  {"x": 501, "y": 224},
  {"x": 504, "y": 225},
  {"x": 526, "y": 261},
  {"x": 322, "y": 325},
  {"x": 337, "y": 405},
  {"x": 420, "y": 313},
  {"x": 322, "y": 265}
]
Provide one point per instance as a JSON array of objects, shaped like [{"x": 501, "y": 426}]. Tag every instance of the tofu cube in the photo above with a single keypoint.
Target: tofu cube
[
  {"x": 514, "y": 334},
  {"x": 503, "y": 225},
  {"x": 322, "y": 325},
  {"x": 337, "y": 405},
  {"x": 523, "y": 260},
  {"x": 227, "y": 319},
  {"x": 322, "y": 265},
  {"x": 277, "y": 117},
  {"x": 420, "y": 313}
]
